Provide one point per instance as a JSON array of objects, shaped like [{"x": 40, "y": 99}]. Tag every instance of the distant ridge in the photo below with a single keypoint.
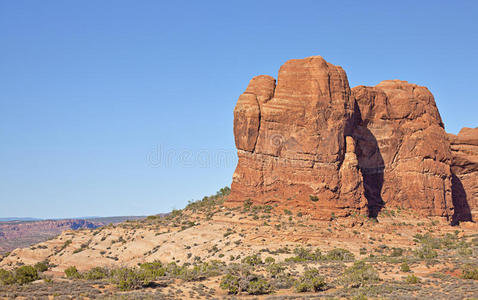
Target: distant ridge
[{"x": 18, "y": 232}]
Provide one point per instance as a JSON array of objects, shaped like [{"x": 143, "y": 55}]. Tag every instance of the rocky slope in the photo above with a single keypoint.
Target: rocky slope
[
  {"x": 262, "y": 240},
  {"x": 311, "y": 143},
  {"x": 19, "y": 234}
]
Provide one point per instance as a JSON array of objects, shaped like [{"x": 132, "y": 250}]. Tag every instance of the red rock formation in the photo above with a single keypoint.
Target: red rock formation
[
  {"x": 313, "y": 144},
  {"x": 403, "y": 149},
  {"x": 464, "y": 148},
  {"x": 291, "y": 139}
]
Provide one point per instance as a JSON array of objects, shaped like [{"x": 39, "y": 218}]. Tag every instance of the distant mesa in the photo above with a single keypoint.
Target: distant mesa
[{"x": 311, "y": 143}]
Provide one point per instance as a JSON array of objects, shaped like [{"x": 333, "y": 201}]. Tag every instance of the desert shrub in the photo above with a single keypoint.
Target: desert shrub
[
  {"x": 258, "y": 285},
  {"x": 247, "y": 204},
  {"x": 412, "y": 279},
  {"x": 310, "y": 281},
  {"x": 230, "y": 283},
  {"x": 426, "y": 252},
  {"x": 275, "y": 269},
  {"x": 339, "y": 254},
  {"x": 313, "y": 198},
  {"x": 396, "y": 252},
  {"x": 209, "y": 202},
  {"x": 428, "y": 240},
  {"x": 154, "y": 269},
  {"x": 283, "y": 280},
  {"x": 404, "y": 267},
  {"x": 26, "y": 274},
  {"x": 202, "y": 271},
  {"x": 359, "y": 274},
  {"x": 41, "y": 266},
  {"x": 82, "y": 247},
  {"x": 469, "y": 272},
  {"x": 252, "y": 284},
  {"x": 129, "y": 278},
  {"x": 252, "y": 260},
  {"x": 96, "y": 273},
  {"x": 228, "y": 232},
  {"x": 72, "y": 272},
  {"x": 465, "y": 251},
  {"x": 173, "y": 270},
  {"x": 269, "y": 260},
  {"x": 65, "y": 244},
  {"x": 6, "y": 277},
  {"x": 304, "y": 254}
]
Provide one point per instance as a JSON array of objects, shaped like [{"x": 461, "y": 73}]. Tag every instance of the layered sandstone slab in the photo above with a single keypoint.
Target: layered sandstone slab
[
  {"x": 464, "y": 147},
  {"x": 291, "y": 139},
  {"x": 403, "y": 150}
]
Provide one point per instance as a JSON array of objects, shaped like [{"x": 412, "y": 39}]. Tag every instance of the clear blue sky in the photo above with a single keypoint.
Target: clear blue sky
[{"x": 90, "y": 90}]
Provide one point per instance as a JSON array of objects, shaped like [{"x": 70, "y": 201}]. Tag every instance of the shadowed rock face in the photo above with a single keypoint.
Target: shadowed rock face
[
  {"x": 464, "y": 147},
  {"x": 310, "y": 142},
  {"x": 404, "y": 154}
]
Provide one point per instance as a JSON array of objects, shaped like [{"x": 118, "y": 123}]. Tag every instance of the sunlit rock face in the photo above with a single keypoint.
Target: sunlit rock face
[{"x": 309, "y": 142}]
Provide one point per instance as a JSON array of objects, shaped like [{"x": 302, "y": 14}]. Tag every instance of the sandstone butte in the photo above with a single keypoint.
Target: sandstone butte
[{"x": 310, "y": 143}]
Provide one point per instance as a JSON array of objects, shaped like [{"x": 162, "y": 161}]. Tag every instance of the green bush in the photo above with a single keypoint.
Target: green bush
[
  {"x": 247, "y": 204},
  {"x": 275, "y": 269},
  {"x": 41, "y": 266},
  {"x": 240, "y": 279},
  {"x": 154, "y": 269},
  {"x": 304, "y": 254},
  {"x": 426, "y": 252},
  {"x": 469, "y": 272},
  {"x": 412, "y": 279},
  {"x": 26, "y": 274},
  {"x": 269, "y": 260},
  {"x": 339, "y": 254},
  {"x": 396, "y": 252},
  {"x": 258, "y": 286},
  {"x": 359, "y": 274},
  {"x": 252, "y": 260},
  {"x": 96, "y": 273},
  {"x": 313, "y": 198},
  {"x": 6, "y": 277},
  {"x": 404, "y": 267},
  {"x": 72, "y": 272},
  {"x": 129, "y": 279},
  {"x": 230, "y": 283},
  {"x": 310, "y": 281}
]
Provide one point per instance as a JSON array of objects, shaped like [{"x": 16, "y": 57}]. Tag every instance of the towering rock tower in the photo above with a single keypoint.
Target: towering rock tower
[
  {"x": 291, "y": 140},
  {"x": 309, "y": 142}
]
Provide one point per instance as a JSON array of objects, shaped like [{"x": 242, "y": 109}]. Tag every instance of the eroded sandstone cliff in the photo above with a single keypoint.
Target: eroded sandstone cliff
[
  {"x": 291, "y": 139},
  {"x": 309, "y": 142},
  {"x": 403, "y": 150}
]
